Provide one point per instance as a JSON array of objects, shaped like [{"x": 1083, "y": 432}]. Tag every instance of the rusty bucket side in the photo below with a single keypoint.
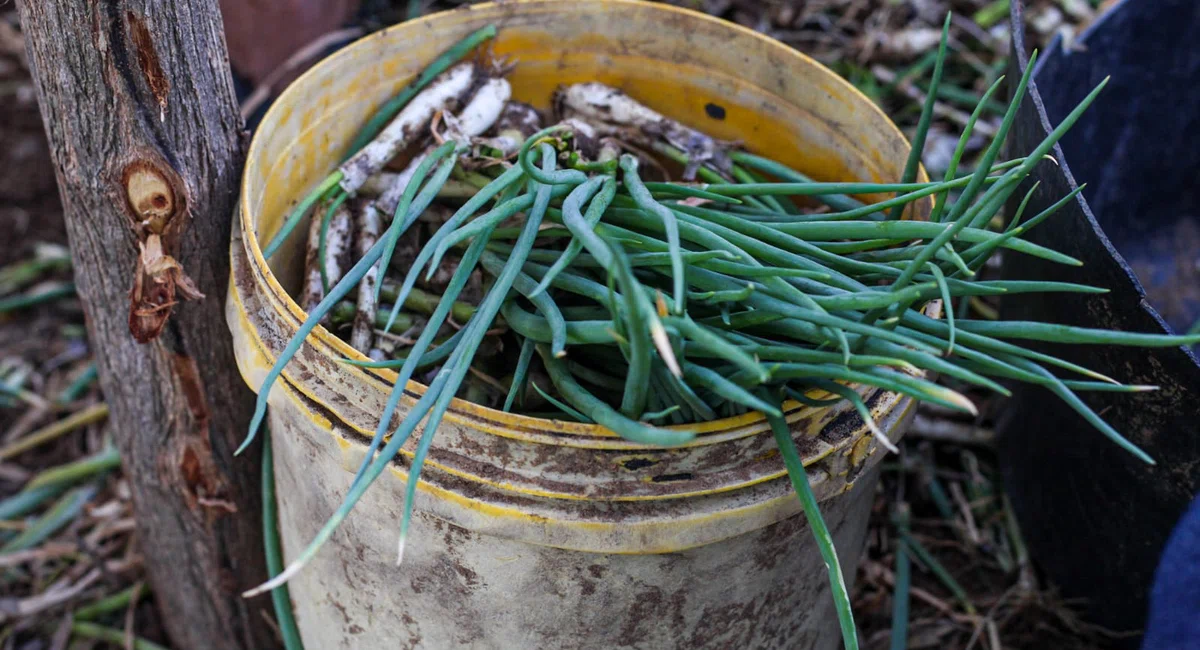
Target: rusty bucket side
[{"x": 535, "y": 533}]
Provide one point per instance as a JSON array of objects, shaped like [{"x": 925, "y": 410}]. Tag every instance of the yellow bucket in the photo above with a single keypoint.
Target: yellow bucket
[{"x": 535, "y": 533}]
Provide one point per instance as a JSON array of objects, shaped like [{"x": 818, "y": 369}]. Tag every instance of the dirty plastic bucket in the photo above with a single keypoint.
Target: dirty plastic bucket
[{"x": 535, "y": 533}]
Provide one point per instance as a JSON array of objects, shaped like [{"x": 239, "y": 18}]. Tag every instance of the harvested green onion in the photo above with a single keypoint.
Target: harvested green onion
[{"x": 677, "y": 302}]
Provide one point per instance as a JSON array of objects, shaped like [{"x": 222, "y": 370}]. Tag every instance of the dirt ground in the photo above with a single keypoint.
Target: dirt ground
[{"x": 70, "y": 573}]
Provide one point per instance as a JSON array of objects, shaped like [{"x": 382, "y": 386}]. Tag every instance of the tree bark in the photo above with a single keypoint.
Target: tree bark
[{"x": 148, "y": 149}]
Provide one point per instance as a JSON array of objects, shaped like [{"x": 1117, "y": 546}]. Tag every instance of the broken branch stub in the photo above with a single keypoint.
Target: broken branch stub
[{"x": 156, "y": 203}]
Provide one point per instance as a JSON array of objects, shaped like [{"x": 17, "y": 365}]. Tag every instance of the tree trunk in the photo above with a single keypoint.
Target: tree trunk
[{"x": 144, "y": 129}]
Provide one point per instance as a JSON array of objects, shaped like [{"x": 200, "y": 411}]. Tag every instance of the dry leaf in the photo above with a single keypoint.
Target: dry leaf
[{"x": 157, "y": 279}]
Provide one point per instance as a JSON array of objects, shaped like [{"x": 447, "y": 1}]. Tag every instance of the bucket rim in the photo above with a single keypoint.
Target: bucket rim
[{"x": 466, "y": 409}]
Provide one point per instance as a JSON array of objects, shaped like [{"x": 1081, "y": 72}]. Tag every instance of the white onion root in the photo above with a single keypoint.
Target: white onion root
[
  {"x": 442, "y": 94},
  {"x": 480, "y": 113},
  {"x": 613, "y": 112},
  {"x": 362, "y": 336}
]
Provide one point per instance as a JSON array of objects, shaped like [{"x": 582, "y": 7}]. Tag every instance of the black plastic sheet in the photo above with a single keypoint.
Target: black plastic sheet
[{"x": 1095, "y": 518}]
